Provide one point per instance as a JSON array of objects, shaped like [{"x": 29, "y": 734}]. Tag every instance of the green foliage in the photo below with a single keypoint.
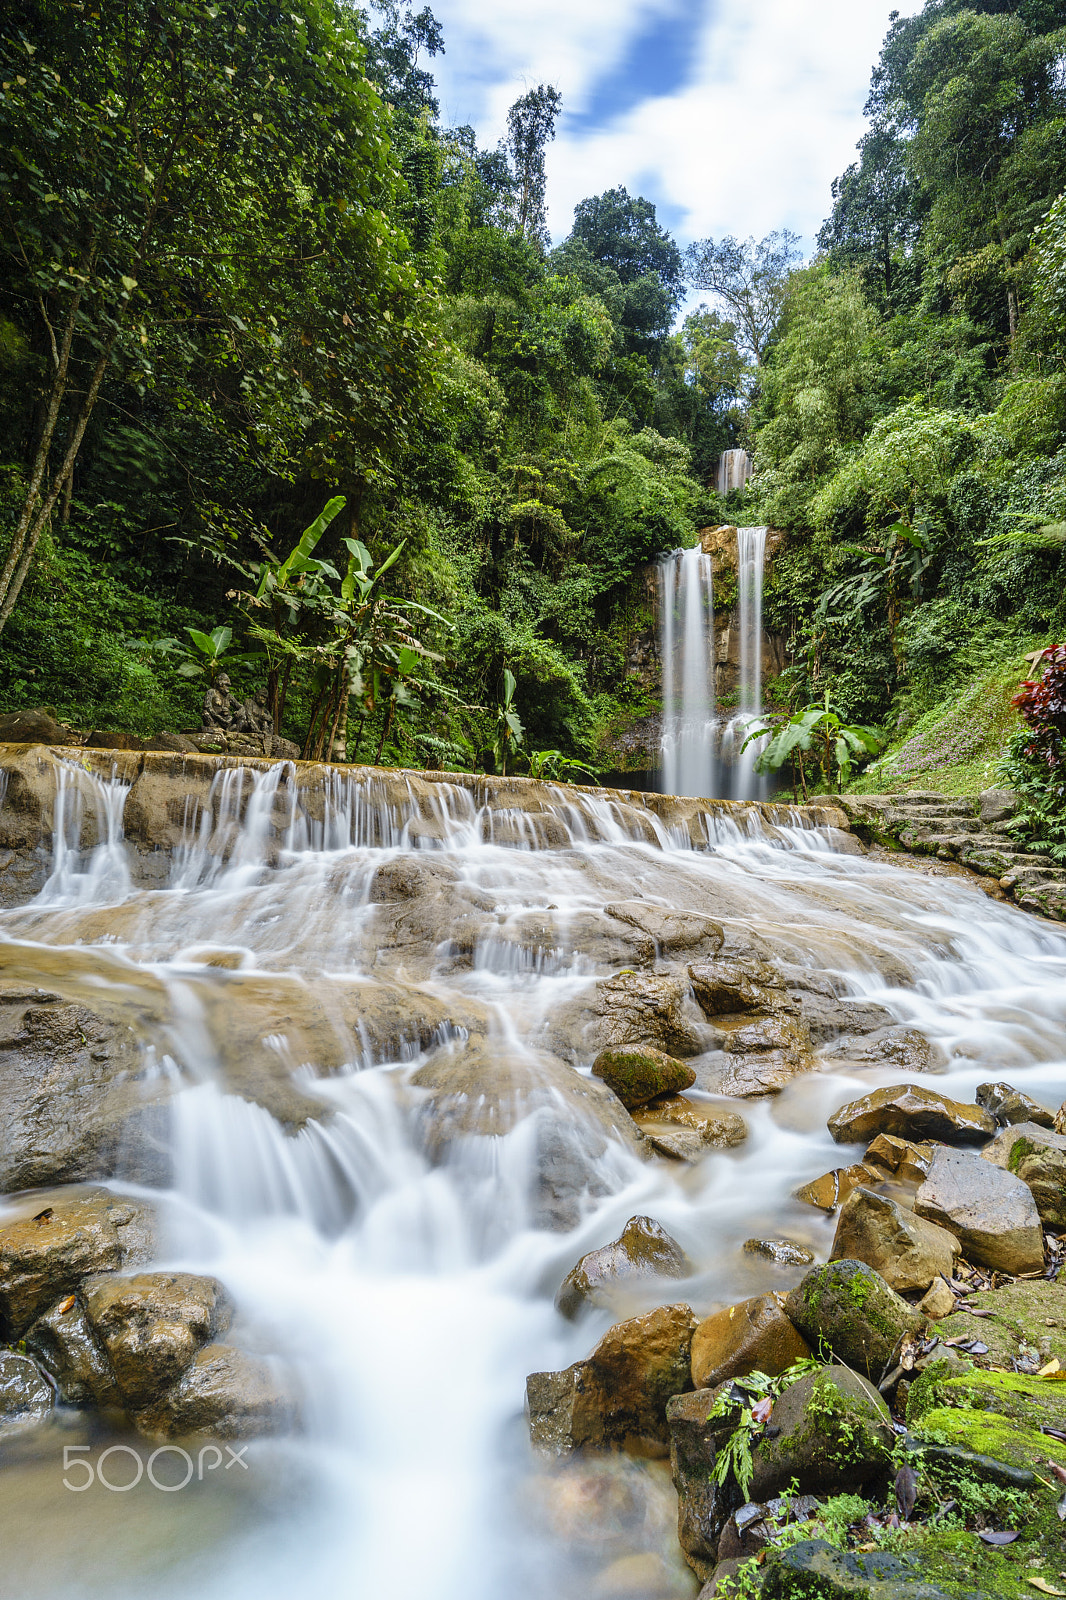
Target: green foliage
[
  {"x": 740, "y": 1403},
  {"x": 838, "y": 746}
]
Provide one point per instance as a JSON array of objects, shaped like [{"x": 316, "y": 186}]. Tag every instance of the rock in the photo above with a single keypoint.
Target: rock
[
  {"x": 997, "y": 805},
  {"x": 756, "y": 1334},
  {"x": 911, "y": 1112},
  {"x": 897, "y": 1048},
  {"x": 33, "y": 727},
  {"x": 686, "y": 1130},
  {"x": 1008, "y": 1105},
  {"x": 616, "y": 1399},
  {"x": 1038, "y": 1157},
  {"x": 726, "y": 987},
  {"x": 848, "y": 1309},
  {"x": 762, "y": 1055},
  {"x": 1023, "y": 1324},
  {"x": 66, "y": 1347},
  {"x": 151, "y": 1326},
  {"x": 642, "y": 1250},
  {"x": 938, "y": 1300},
  {"x": 26, "y": 1396},
  {"x": 672, "y": 932},
  {"x": 783, "y": 1252},
  {"x": 908, "y": 1162},
  {"x": 719, "y": 1583},
  {"x": 58, "y": 1240},
  {"x": 992, "y": 1212},
  {"x": 74, "y": 1101},
  {"x": 703, "y": 1507},
  {"x": 994, "y": 1416},
  {"x": 833, "y": 1188},
  {"x": 645, "y": 1008},
  {"x": 834, "y": 1432},
  {"x": 814, "y": 1567},
  {"x": 907, "y": 1251},
  {"x": 637, "y": 1076},
  {"x": 225, "y": 1393}
]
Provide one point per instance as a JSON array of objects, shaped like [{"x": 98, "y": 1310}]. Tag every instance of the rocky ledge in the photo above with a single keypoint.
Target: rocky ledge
[{"x": 892, "y": 1426}]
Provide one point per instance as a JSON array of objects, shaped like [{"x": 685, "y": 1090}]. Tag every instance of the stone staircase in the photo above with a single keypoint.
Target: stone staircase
[{"x": 974, "y": 832}]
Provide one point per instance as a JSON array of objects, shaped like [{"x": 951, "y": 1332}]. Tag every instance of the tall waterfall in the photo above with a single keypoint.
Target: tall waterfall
[
  {"x": 702, "y": 751},
  {"x": 734, "y": 470}
]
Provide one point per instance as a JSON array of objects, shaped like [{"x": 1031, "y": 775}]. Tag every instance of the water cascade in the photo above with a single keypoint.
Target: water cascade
[
  {"x": 734, "y": 470},
  {"x": 366, "y": 1005},
  {"x": 703, "y": 751}
]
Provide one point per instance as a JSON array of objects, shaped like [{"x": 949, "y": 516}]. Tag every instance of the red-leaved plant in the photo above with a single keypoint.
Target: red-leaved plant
[{"x": 1042, "y": 704}]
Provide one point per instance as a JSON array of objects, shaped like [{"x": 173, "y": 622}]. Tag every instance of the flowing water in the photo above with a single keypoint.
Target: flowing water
[{"x": 404, "y": 1269}]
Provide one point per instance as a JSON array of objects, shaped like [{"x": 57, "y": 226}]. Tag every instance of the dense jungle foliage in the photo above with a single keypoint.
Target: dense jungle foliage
[{"x": 246, "y": 271}]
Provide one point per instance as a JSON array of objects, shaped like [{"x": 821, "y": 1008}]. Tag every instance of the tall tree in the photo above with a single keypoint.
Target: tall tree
[
  {"x": 620, "y": 230},
  {"x": 530, "y": 129},
  {"x": 749, "y": 280}
]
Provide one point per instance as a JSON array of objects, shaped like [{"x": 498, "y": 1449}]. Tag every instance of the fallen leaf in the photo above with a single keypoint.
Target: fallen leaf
[
  {"x": 980, "y": 1311},
  {"x": 1054, "y": 1433},
  {"x": 977, "y": 1348},
  {"x": 906, "y": 1491},
  {"x": 761, "y": 1410},
  {"x": 1052, "y": 1377},
  {"x": 68, "y": 1304},
  {"x": 43, "y": 1216},
  {"x": 1052, "y": 1366},
  {"x": 1006, "y": 1537},
  {"x": 1045, "y": 1588}
]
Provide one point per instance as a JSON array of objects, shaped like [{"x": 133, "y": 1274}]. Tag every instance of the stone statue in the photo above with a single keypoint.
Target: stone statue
[
  {"x": 218, "y": 704},
  {"x": 254, "y": 715}
]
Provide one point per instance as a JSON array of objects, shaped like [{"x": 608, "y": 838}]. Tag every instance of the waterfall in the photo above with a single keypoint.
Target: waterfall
[
  {"x": 702, "y": 752},
  {"x": 734, "y": 470},
  {"x": 687, "y": 626}
]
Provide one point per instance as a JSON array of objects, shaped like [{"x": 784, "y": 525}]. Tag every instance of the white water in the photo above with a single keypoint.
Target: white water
[
  {"x": 411, "y": 1298},
  {"x": 734, "y": 470}
]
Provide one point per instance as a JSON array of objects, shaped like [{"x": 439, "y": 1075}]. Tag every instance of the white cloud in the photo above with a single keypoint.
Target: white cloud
[{"x": 770, "y": 114}]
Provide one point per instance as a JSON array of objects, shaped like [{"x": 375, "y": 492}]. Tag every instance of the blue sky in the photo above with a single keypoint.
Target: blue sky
[{"x": 733, "y": 116}]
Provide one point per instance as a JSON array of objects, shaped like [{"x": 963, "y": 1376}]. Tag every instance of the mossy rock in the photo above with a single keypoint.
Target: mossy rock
[
  {"x": 1012, "y": 1395},
  {"x": 1026, "y": 1317},
  {"x": 639, "y": 1075},
  {"x": 816, "y": 1569},
  {"x": 848, "y": 1308},
  {"x": 984, "y": 1433},
  {"x": 834, "y": 1431}
]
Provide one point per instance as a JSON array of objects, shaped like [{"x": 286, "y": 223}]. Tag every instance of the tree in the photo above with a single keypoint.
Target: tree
[
  {"x": 620, "y": 230},
  {"x": 530, "y": 129},
  {"x": 392, "y": 56},
  {"x": 875, "y": 219},
  {"x": 171, "y": 191},
  {"x": 749, "y": 279}
]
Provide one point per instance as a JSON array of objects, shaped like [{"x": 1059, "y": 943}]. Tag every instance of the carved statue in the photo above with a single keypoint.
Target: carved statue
[
  {"x": 253, "y": 715},
  {"x": 218, "y": 704}
]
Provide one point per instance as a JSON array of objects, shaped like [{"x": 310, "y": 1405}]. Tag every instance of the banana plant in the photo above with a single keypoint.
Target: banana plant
[
  {"x": 210, "y": 653},
  {"x": 815, "y": 727},
  {"x": 510, "y": 732}
]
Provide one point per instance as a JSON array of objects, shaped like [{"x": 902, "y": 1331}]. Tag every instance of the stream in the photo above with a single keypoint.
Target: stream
[{"x": 398, "y": 1255}]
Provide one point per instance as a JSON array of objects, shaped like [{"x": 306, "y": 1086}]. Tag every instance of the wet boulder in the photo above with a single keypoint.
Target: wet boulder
[
  {"x": 646, "y": 1008},
  {"x": 1038, "y": 1157},
  {"x": 754, "y": 1335},
  {"x": 26, "y": 1396},
  {"x": 643, "y": 1250},
  {"x": 831, "y": 1189},
  {"x": 906, "y": 1250},
  {"x": 725, "y": 987},
  {"x": 225, "y": 1393},
  {"x": 684, "y": 1130},
  {"x": 782, "y": 1252},
  {"x": 829, "y": 1430},
  {"x": 904, "y": 1160},
  {"x": 67, "y": 1349},
  {"x": 911, "y": 1112},
  {"x": 762, "y": 1055},
  {"x": 1008, "y": 1105},
  {"x": 989, "y": 1210},
  {"x": 672, "y": 933},
  {"x": 996, "y": 1419},
  {"x": 152, "y": 1325},
  {"x": 848, "y": 1308},
  {"x": 704, "y": 1506},
  {"x": 637, "y": 1076},
  {"x": 59, "y": 1238},
  {"x": 616, "y": 1399},
  {"x": 815, "y": 1567}
]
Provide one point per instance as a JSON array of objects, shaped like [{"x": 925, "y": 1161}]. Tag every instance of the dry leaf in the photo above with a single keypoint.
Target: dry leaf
[
  {"x": 906, "y": 1491},
  {"x": 67, "y": 1304},
  {"x": 1052, "y": 1366},
  {"x": 1045, "y": 1588},
  {"x": 1052, "y": 1377},
  {"x": 43, "y": 1216},
  {"x": 1006, "y": 1537},
  {"x": 761, "y": 1410}
]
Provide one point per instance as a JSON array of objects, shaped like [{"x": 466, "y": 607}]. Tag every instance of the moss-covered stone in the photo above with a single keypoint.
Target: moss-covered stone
[
  {"x": 1028, "y": 1318},
  {"x": 1025, "y": 1401},
  {"x": 984, "y": 1433},
  {"x": 847, "y": 1308},
  {"x": 833, "y": 1431},
  {"x": 639, "y": 1075}
]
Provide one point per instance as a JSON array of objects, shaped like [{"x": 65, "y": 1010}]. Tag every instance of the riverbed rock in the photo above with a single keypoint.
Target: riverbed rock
[
  {"x": 151, "y": 1326},
  {"x": 728, "y": 986},
  {"x": 1037, "y": 1156},
  {"x": 37, "y": 726},
  {"x": 66, "y": 1347},
  {"x": 997, "y": 1416},
  {"x": 848, "y": 1309},
  {"x": 26, "y": 1396},
  {"x": 762, "y": 1055},
  {"x": 907, "y": 1161},
  {"x": 685, "y": 1130},
  {"x": 1023, "y": 1324},
  {"x": 833, "y": 1188},
  {"x": 756, "y": 1334},
  {"x": 937, "y": 1301},
  {"x": 704, "y": 1507},
  {"x": 832, "y": 1430},
  {"x": 989, "y": 1210},
  {"x": 637, "y": 1076},
  {"x": 59, "y": 1238},
  {"x": 75, "y": 1102},
  {"x": 906, "y": 1250},
  {"x": 226, "y": 1394},
  {"x": 815, "y": 1567},
  {"x": 1008, "y": 1104},
  {"x": 911, "y": 1112},
  {"x": 1032, "y": 1135},
  {"x": 673, "y": 933},
  {"x": 642, "y": 1250},
  {"x": 645, "y": 1008},
  {"x": 782, "y": 1252},
  {"x": 616, "y": 1399}
]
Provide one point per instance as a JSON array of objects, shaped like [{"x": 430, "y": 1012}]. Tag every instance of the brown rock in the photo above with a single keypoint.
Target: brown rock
[
  {"x": 642, "y": 1250},
  {"x": 907, "y": 1251},
  {"x": 833, "y": 1430},
  {"x": 1038, "y": 1157},
  {"x": 152, "y": 1325},
  {"x": 1008, "y": 1105},
  {"x": 224, "y": 1393},
  {"x": 783, "y": 1252},
  {"x": 725, "y": 987},
  {"x": 33, "y": 727},
  {"x": 833, "y": 1188},
  {"x": 58, "y": 1240},
  {"x": 911, "y": 1112},
  {"x": 754, "y": 1335},
  {"x": 938, "y": 1300},
  {"x": 703, "y": 1507},
  {"x": 989, "y": 1210},
  {"x": 907, "y": 1161},
  {"x": 64, "y": 1344},
  {"x": 685, "y": 1130},
  {"x": 1027, "y": 1135},
  {"x": 617, "y": 1398},
  {"x": 26, "y": 1396},
  {"x": 639, "y": 1075}
]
